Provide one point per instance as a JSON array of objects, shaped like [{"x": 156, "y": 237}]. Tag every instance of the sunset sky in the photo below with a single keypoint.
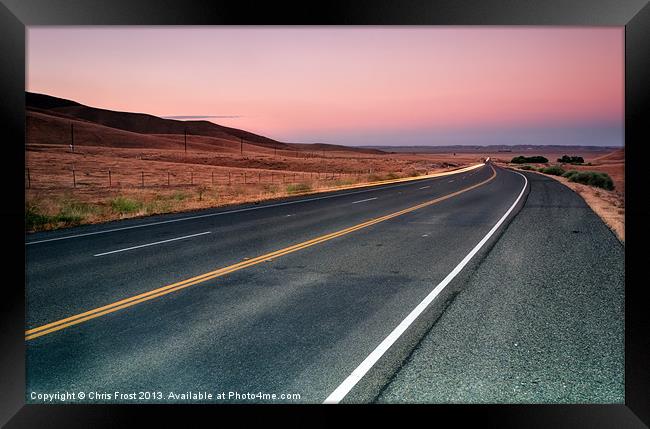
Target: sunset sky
[{"x": 350, "y": 85}]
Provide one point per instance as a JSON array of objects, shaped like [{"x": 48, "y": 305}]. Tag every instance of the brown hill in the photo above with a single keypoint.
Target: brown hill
[
  {"x": 616, "y": 156},
  {"x": 51, "y": 129},
  {"x": 333, "y": 147},
  {"x": 141, "y": 127},
  {"x": 142, "y": 123}
]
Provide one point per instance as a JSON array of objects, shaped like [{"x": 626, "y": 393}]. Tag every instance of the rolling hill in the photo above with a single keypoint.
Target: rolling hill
[{"x": 49, "y": 119}]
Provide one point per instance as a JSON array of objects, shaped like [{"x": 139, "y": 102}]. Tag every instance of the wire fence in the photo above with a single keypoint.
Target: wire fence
[{"x": 128, "y": 178}]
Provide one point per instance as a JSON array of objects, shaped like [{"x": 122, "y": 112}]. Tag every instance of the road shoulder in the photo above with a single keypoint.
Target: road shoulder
[
  {"x": 541, "y": 320},
  {"x": 608, "y": 205}
]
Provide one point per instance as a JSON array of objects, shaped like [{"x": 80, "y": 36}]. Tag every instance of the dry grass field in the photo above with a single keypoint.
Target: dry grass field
[{"x": 66, "y": 188}]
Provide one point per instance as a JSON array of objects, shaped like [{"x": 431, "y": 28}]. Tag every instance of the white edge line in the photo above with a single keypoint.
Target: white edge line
[
  {"x": 152, "y": 244},
  {"x": 344, "y": 388},
  {"x": 370, "y": 189},
  {"x": 425, "y": 187},
  {"x": 363, "y": 201}
]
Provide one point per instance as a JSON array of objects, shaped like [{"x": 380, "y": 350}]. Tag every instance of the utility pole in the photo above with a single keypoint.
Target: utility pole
[{"x": 72, "y": 136}]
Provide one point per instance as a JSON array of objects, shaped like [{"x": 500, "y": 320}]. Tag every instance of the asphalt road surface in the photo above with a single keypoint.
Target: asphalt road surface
[
  {"x": 324, "y": 297},
  {"x": 542, "y": 324}
]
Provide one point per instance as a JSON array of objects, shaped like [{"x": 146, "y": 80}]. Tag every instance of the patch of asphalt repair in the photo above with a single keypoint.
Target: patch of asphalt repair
[{"x": 539, "y": 318}]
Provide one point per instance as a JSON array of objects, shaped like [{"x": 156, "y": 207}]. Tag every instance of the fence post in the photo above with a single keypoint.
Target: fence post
[
  {"x": 167, "y": 178},
  {"x": 29, "y": 180},
  {"x": 259, "y": 177},
  {"x": 74, "y": 179},
  {"x": 110, "y": 180},
  {"x": 142, "y": 173}
]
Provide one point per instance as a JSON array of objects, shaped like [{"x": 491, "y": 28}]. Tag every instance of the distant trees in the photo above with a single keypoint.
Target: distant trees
[
  {"x": 529, "y": 159},
  {"x": 571, "y": 159}
]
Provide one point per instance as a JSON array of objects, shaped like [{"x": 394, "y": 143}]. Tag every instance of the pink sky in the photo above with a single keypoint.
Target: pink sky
[{"x": 350, "y": 85}]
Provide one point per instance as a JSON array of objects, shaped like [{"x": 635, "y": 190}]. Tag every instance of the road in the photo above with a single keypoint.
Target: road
[
  {"x": 542, "y": 324},
  {"x": 322, "y": 296}
]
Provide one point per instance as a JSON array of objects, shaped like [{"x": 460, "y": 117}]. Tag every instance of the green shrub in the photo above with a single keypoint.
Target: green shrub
[
  {"x": 593, "y": 178},
  {"x": 390, "y": 176},
  {"x": 571, "y": 159},
  {"x": 570, "y": 173},
  {"x": 529, "y": 159},
  {"x": 73, "y": 212},
  {"x": 34, "y": 220},
  {"x": 555, "y": 170},
  {"x": 70, "y": 213},
  {"x": 527, "y": 167},
  {"x": 125, "y": 205},
  {"x": 298, "y": 187}
]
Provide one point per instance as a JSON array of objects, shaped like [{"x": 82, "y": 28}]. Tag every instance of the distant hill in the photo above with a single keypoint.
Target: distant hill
[
  {"x": 493, "y": 148},
  {"x": 616, "y": 156},
  {"x": 142, "y": 123},
  {"x": 333, "y": 147},
  {"x": 127, "y": 129}
]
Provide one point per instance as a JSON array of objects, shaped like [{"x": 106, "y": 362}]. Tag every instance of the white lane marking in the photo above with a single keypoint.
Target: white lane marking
[
  {"x": 152, "y": 244},
  {"x": 344, "y": 388},
  {"x": 376, "y": 188},
  {"x": 425, "y": 187},
  {"x": 363, "y": 201},
  {"x": 451, "y": 181}
]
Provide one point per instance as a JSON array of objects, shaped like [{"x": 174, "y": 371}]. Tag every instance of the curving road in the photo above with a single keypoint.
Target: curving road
[{"x": 324, "y": 297}]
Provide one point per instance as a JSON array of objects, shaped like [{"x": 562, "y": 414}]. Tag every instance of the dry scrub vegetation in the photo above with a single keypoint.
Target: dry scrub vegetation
[
  {"x": 609, "y": 205},
  {"x": 197, "y": 180}
]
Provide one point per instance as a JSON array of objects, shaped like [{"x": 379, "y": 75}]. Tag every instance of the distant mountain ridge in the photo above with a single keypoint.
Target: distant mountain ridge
[{"x": 492, "y": 148}]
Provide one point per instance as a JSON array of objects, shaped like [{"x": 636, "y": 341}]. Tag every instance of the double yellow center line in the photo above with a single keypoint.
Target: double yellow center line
[{"x": 137, "y": 299}]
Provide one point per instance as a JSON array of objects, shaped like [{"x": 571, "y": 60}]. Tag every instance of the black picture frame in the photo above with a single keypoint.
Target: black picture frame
[{"x": 15, "y": 15}]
